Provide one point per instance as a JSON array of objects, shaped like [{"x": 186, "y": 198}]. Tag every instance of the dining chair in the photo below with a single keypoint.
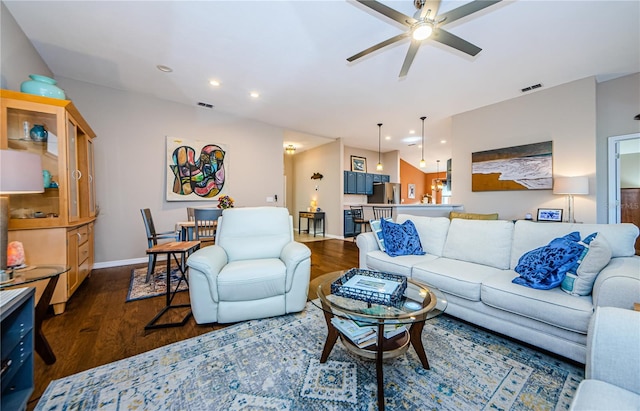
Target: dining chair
[
  {"x": 153, "y": 237},
  {"x": 382, "y": 212},
  {"x": 206, "y": 222},
  {"x": 357, "y": 216},
  {"x": 191, "y": 216}
]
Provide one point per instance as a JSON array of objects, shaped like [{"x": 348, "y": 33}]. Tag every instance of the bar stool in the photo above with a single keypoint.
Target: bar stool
[
  {"x": 357, "y": 215},
  {"x": 382, "y": 212}
]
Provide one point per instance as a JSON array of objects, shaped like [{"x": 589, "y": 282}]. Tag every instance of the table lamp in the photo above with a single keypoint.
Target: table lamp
[
  {"x": 571, "y": 186},
  {"x": 20, "y": 173}
]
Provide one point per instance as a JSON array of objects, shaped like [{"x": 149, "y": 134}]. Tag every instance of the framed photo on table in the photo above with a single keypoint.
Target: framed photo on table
[
  {"x": 550, "y": 214},
  {"x": 358, "y": 164}
]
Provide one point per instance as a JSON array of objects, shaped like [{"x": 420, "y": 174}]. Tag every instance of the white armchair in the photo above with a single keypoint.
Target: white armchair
[
  {"x": 254, "y": 270},
  {"x": 612, "y": 377}
]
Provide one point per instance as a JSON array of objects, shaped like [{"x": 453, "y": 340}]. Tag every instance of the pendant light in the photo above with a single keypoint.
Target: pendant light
[
  {"x": 437, "y": 186},
  {"x": 379, "y": 165},
  {"x": 423, "y": 163}
]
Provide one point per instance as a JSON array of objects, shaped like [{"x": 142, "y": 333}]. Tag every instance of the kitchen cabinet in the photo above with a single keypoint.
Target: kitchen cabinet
[
  {"x": 350, "y": 229},
  {"x": 56, "y": 226},
  {"x": 362, "y": 183}
]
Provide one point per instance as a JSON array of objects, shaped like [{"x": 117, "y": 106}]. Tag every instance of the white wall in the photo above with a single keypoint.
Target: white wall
[
  {"x": 130, "y": 161},
  {"x": 565, "y": 115}
]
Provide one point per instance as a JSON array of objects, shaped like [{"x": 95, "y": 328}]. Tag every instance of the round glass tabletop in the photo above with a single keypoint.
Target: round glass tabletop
[{"x": 32, "y": 274}]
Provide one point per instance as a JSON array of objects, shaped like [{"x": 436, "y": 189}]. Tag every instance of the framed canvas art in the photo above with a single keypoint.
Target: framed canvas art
[
  {"x": 527, "y": 167},
  {"x": 358, "y": 164},
  {"x": 195, "y": 170}
]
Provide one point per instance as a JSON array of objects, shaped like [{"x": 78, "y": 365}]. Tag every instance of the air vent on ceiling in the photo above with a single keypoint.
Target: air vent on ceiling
[
  {"x": 535, "y": 86},
  {"x": 411, "y": 145},
  {"x": 205, "y": 105}
]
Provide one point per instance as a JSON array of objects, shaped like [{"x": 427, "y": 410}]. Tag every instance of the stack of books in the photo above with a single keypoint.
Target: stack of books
[{"x": 364, "y": 334}]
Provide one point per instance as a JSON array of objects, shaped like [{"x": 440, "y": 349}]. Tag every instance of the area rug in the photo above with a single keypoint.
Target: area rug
[
  {"x": 272, "y": 364},
  {"x": 140, "y": 289}
]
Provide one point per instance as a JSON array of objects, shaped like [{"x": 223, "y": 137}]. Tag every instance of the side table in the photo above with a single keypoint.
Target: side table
[
  {"x": 30, "y": 275},
  {"x": 311, "y": 215},
  {"x": 178, "y": 250}
]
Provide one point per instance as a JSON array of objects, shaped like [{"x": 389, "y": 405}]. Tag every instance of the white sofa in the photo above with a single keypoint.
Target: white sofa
[
  {"x": 254, "y": 270},
  {"x": 472, "y": 262},
  {"x": 612, "y": 378}
]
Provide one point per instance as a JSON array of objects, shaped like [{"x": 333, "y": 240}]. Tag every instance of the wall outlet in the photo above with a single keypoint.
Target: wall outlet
[{"x": 270, "y": 200}]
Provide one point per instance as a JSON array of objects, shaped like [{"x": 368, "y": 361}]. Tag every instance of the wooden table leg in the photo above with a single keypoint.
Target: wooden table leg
[
  {"x": 415, "y": 337},
  {"x": 42, "y": 346},
  {"x": 332, "y": 334}
]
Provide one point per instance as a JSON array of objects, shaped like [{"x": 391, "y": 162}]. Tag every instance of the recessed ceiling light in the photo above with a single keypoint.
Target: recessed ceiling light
[
  {"x": 254, "y": 94},
  {"x": 411, "y": 140},
  {"x": 214, "y": 83},
  {"x": 387, "y": 138},
  {"x": 165, "y": 69},
  {"x": 412, "y": 132},
  {"x": 443, "y": 141}
]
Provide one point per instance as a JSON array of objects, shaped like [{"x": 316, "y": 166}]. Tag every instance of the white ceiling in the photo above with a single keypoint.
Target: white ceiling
[{"x": 294, "y": 54}]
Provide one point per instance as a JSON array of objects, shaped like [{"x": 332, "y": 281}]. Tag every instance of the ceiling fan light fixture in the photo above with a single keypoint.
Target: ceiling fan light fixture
[{"x": 422, "y": 31}]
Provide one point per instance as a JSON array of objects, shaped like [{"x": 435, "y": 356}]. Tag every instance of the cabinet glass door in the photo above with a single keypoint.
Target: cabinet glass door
[
  {"x": 35, "y": 132},
  {"x": 74, "y": 173}
]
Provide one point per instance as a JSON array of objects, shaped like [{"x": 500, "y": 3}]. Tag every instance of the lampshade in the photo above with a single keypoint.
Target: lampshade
[
  {"x": 20, "y": 172},
  {"x": 571, "y": 185}
]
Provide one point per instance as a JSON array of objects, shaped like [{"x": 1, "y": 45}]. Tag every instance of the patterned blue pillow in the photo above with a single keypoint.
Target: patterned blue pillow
[
  {"x": 545, "y": 267},
  {"x": 401, "y": 239}
]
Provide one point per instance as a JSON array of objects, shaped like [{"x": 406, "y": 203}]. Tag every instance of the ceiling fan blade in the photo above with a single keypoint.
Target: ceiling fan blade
[
  {"x": 378, "y": 46},
  {"x": 389, "y": 12},
  {"x": 465, "y": 10},
  {"x": 430, "y": 6},
  {"x": 451, "y": 40},
  {"x": 413, "y": 49}
]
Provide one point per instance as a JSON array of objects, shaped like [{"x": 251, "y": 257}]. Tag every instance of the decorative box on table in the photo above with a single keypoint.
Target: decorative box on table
[{"x": 371, "y": 286}]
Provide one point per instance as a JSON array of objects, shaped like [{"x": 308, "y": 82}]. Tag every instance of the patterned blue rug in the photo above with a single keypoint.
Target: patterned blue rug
[{"x": 272, "y": 364}]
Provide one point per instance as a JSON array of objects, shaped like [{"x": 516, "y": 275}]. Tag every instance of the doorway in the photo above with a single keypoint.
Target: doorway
[{"x": 624, "y": 180}]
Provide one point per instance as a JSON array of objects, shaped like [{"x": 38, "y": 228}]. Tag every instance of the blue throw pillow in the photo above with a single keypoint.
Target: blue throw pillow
[
  {"x": 545, "y": 267},
  {"x": 401, "y": 239}
]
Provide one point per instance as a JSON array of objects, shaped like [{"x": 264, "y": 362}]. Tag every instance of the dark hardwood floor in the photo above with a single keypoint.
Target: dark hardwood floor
[{"x": 98, "y": 327}]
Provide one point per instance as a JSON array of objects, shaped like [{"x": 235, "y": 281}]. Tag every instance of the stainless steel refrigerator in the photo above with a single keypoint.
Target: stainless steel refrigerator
[{"x": 385, "y": 193}]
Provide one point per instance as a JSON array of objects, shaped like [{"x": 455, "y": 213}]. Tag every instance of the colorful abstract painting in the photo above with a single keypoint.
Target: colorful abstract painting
[
  {"x": 195, "y": 170},
  {"x": 528, "y": 167}
]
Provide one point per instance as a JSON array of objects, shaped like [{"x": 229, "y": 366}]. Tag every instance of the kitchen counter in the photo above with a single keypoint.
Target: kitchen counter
[{"x": 418, "y": 209}]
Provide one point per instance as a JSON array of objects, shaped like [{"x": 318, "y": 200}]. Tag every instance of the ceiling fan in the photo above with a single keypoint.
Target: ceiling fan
[{"x": 425, "y": 24}]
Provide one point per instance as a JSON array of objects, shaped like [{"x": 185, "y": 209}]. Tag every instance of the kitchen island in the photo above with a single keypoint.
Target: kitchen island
[{"x": 418, "y": 209}]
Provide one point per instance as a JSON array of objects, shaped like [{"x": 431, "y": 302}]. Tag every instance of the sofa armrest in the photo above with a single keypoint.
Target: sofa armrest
[
  {"x": 292, "y": 255},
  {"x": 613, "y": 348},
  {"x": 366, "y": 242},
  {"x": 618, "y": 284}
]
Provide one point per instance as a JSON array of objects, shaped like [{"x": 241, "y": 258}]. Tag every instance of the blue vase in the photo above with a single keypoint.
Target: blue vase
[
  {"x": 42, "y": 86},
  {"x": 38, "y": 133},
  {"x": 46, "y": 178}
]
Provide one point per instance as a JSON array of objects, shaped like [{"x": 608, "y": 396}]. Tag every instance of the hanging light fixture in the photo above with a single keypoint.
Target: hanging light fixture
[
  {"x": 379, "y": 165},
  {"x": 423, "y": 163},
  {"x": 437, "y": 186},
  {"x": 290, "y": 149}
]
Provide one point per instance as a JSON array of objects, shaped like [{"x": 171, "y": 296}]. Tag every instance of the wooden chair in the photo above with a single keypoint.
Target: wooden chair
[
  {"x": 206, "y": 222},
  {"x": 191, "y": 215},
  {"x": 153, "y": 237},
  {"x": 382, "y": 212},
  {"x": 357, "y": 215}
]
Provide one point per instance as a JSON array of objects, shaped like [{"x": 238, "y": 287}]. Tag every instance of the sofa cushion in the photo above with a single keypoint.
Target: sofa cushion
[
  {"x": 381, "y": 261},
  {"x": 431, "y": 230},
  {"x": 376, "y": 227},
  {"x": 480, "y": 241},
  {"x": 594, "y": 395},
  {"x": 581, "y": 276},
  {"x": 545, "y": 267},
  {"x": 455, "y": 277},
  {"x": 553, "y": 306},
  {"x": 247, "y": 280},
  {"x": 401, "y": 239}
]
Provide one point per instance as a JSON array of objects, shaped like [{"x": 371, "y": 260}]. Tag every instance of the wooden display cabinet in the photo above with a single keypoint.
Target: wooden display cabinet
[{"x": 56, "y": 226}]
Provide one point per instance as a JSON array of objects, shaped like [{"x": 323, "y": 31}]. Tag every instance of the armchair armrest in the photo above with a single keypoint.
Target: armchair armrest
[
  {"x": 292, "y": 255},
  {"x": 613, "y": 348},
  {"x": 205, "y": 264}
]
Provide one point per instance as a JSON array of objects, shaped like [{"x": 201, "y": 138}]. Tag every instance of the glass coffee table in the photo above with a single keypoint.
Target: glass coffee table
[{"x": 418, "y": 304}]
